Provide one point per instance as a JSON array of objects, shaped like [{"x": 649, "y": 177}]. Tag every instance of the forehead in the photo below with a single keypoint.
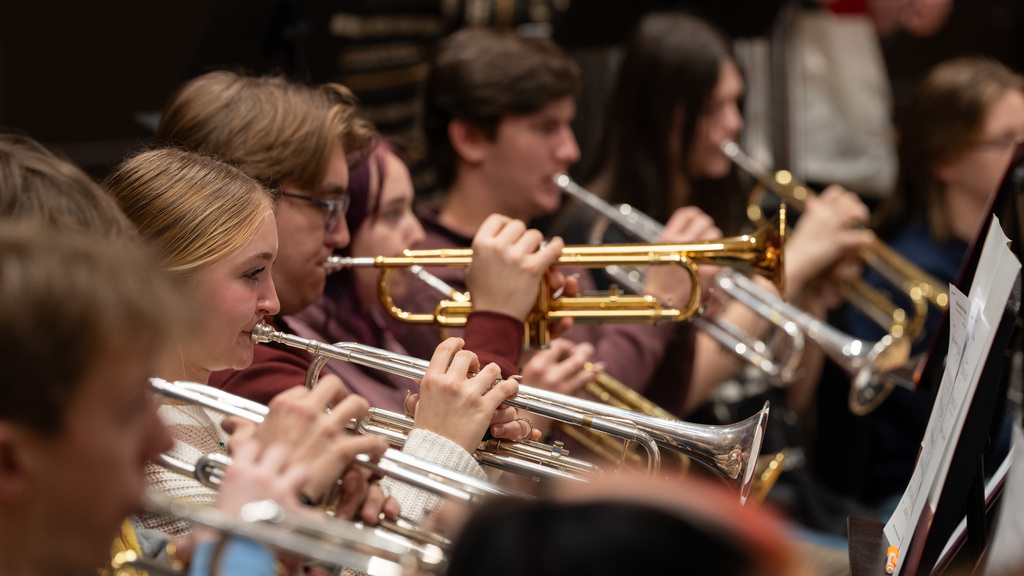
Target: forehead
[
  {"x": 260, "y": 247},
  {"x": 335, "y": 182},
  {"x": 730, "y": 81},
  {"x": 563, "y": 110},
  {"x": 397, "y": 182},
  {"x": 1005, "y": 113}
]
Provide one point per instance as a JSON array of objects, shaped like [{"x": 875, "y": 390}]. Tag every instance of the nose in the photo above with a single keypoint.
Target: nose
[
  {"x": 568, "y": 150},
  {"x": 268, "y": 304},
  {"x": 416, "y": 233},
  {"x": 733, "y": 119},
  {"x": 338, "y": 236}
]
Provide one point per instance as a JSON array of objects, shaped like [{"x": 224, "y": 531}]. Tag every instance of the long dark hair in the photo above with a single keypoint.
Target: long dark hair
[{"x": 672, "y": 62}]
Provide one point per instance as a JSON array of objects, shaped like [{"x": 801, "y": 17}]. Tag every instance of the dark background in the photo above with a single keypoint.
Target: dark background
[{"x": 85, "y": 77}]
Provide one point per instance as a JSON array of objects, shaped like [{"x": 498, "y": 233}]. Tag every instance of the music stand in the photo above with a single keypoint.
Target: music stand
[{"x": 963, "y": 491}]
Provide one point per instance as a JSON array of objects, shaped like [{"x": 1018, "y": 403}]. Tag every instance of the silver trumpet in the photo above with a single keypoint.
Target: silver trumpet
[
  {"x": 321, "y": 539},
  {"x": 753, "y": 350},
  {"x": 868, "y": 363},
  {"x": 209, "y": 470},
  {"x": 420, "y": 473},
  {"x": 730, "y": 450}
]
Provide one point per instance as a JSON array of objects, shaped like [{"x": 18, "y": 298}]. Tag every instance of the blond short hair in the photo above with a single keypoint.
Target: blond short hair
[{"x": 195, "y": 209}]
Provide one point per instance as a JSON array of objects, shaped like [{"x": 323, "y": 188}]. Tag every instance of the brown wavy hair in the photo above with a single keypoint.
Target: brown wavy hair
[{"x": 273, "y": 128}]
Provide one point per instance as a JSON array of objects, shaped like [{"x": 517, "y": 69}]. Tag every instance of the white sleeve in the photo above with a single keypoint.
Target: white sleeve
[
  {"x": 417, "y": 503},
  {"x": 196, "y": 432}
]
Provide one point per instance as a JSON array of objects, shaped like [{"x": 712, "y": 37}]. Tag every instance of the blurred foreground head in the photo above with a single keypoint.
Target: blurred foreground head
[{"x": 626, "y": 525}]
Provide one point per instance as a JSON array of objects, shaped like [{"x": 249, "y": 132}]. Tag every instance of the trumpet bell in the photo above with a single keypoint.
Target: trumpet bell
[
  {"x": 871, "y": 385},
  {"x": 729, "y": 450}
]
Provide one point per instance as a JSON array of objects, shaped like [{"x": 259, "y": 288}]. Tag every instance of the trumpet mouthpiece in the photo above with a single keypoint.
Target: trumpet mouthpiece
[{"x": 261, "y": 333}]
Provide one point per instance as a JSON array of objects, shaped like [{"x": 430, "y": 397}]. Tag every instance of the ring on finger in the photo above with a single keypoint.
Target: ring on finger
[{"x": 529, "y": 434}]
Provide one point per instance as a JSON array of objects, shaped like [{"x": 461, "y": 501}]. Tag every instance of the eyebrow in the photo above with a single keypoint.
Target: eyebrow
[
  {"x": 260, "y": 257},
  {"x": 333, "y": 191}
]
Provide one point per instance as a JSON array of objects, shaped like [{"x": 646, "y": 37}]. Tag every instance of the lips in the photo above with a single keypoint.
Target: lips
[{"x": 248, "y": 331}]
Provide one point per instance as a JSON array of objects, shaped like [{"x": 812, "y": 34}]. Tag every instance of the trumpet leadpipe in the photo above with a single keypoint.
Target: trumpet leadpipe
[
  {"x": 421, "y": 473},
  {"x": 415, "y": 369},
  {"x": 326, "y": 540},
  {"x": 729, "y": 450},
  {"x": 754, "y": 351}
]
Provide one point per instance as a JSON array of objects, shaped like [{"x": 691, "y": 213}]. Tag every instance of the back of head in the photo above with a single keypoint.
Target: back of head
[
  {"x": 194, "y": 209},
  {"x": 71, "y": 300},
  {"x": 942, "y": 120},
  {"x": 480, "y": 75},
  {"x": 628, "y": 525},
  {"x": 599, "y": 538},
  {"x": 274, "y": 129},
  {"x": 35, "y": 183},
  {"x": 671, "y": 66}
]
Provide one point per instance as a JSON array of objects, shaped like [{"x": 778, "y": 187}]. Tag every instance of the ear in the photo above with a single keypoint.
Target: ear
[
  {"x": 468, "y": 141},
  {"x": 13, "y": 474}
]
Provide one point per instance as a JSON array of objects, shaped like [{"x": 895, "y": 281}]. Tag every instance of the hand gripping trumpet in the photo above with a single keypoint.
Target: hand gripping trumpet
[
  {"x": 326, "y": 541},
  {"x": 602, "y": 387},
  {"x": 754, "y": 351},
  {"x": 759, "y": 253},
  {"x": 431, "y": 477},
  {"x": 867, "y": 363},
  {"x": 920, "y": 287},
  {"x": 730, "y": 451}
]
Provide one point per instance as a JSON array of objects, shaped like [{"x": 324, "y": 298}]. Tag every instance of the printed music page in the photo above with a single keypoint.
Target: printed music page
[{"x": 973, "y": 321}]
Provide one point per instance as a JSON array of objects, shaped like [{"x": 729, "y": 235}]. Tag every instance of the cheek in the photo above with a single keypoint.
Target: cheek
[{"x": 378, "y": 240}]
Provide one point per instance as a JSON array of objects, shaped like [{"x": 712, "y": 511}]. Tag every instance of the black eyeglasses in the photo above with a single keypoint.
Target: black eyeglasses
[{"x": 335, "y": 208}]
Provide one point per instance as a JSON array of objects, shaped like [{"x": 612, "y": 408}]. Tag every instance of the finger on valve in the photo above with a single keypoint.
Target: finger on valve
[{"x": 355, "y": 487}]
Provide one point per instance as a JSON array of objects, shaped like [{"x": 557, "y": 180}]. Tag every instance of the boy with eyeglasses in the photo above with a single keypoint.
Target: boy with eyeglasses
[{"x": 300, "y": 141}]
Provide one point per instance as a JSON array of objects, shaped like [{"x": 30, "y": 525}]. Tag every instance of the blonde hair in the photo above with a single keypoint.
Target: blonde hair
[
  {"x": 274, "y": 129},
  {"x": 195, "y": 209}
]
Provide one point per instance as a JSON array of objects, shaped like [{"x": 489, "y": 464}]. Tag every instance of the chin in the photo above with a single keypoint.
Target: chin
[
  {"x": 243, "y": 360},
  {"x": 549, "y": 205}
]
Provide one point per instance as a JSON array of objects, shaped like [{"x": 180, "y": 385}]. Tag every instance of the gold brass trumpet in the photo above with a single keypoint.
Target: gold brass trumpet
[
  {"x": 920, "y": 287},
  {"x": 730, "y": 451},
  {"x": 760, "y": 253},
  {"x": 868, "y": 364},
  {"x": 602, "y": 387},
  {"x": 780, "y": 370}
]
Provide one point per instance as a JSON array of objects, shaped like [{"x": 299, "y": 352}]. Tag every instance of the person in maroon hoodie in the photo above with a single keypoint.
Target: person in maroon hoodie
[{"x": 300, "y": 141}]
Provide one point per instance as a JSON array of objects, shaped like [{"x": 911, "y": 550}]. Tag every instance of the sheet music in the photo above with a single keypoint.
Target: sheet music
[{"x": 973, "y": 321}]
